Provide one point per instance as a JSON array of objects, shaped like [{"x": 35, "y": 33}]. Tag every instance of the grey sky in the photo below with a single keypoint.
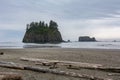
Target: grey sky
[{"x": 99, "y": 18}]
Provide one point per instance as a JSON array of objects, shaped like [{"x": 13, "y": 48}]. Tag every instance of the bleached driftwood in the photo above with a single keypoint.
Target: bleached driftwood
[
  {"x": 102, "y": 68},
  {"x": 10, "y": 76},
  {"x": 53, "y": 71},
  {"x": 58, "y": 62},
  {"x": 11, "y": 65},
  {"x": 113, "y": 74},
  {"x": 73, "y": 65},
  {"x": 72, "y": 74}
]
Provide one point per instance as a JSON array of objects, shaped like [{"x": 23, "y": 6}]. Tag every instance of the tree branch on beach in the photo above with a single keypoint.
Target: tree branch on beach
[
  {"x": 72, "y": 65},
  {"x": 46, "y": 70}
]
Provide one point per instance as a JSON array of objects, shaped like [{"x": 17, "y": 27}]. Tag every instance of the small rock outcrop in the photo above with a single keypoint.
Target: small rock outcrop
[
  {"x": 86, "y": 38},
  {"x": 40, "y": 32},
  {"x": 1, "y": 53}
]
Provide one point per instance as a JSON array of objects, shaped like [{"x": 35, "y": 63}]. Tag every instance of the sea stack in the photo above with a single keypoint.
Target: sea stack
[
  {"x": 41, "y": 32},
  {"x": 86, "y": 39}
]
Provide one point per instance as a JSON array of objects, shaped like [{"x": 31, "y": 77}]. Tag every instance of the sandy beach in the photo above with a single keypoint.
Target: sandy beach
[{"x": 106, "y": 57}]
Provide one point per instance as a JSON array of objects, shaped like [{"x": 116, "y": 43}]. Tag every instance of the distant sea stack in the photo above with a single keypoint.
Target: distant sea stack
[
  {"x": 41, "y": 32},
  {"x": 86, "y": 39}
]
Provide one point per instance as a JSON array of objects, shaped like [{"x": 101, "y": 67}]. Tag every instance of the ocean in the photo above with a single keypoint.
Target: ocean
[{"x": 96, "y": 45}]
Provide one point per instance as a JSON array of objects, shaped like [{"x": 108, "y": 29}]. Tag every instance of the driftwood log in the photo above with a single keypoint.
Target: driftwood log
[
  {"x": 57, "y": 62},
  {"x": 73, "y": 65},
  {"x": 102, "y": 68},
  {"x": 11, "y": 65},
  {"x": 46, "y": 70},
  {"x": 10, "y": 76},
  {"x": 113, "y": 74}
]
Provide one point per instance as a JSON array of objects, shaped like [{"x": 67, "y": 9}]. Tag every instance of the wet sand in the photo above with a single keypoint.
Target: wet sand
[{"x": 105, "y": 57}]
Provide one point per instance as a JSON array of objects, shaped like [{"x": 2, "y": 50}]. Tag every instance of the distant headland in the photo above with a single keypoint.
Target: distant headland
[
  {"x": 41, "y": 32},
  {"x": 86, "y": 39}
]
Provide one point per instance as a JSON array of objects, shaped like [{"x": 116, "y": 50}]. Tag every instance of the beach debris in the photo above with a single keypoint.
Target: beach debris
[
  {"x": 73, "y": 65},
  {"x": 10, "y": 76},
  {"x": 4, "y": 62},
  {"x": 11, "y": 65},
  {"x": 57, "y": 63},
  {"x": 1, "y": 53},
  {"x": 102, "y": 68},
  {"x": 53, "y": 71},
  {"x": 113, "y": 74}
]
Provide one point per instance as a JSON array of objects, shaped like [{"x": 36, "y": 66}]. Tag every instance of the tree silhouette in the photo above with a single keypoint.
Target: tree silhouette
[{"x": 42, "y": 32}]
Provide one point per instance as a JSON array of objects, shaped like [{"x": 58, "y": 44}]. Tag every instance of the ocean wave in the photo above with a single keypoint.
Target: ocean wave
[{"x": 98, "y": 45}]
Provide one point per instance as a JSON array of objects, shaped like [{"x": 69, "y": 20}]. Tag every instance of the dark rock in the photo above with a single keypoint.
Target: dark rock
[
  {"x": 42, "y": 33},
  {"x": 86, "y": 38},
  {"x": 1, "y": 53},
  {"x": 68, "y": 41}
]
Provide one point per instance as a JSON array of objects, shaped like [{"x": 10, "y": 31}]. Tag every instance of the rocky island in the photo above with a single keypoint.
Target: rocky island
[
  {"x": 41, "y": 32},
  {"x": 86, "y": 38}
]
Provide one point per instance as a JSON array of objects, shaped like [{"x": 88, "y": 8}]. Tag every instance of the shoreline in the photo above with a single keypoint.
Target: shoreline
[
  {"x": 59, "y": 48},
  {"x": 107, "y": 57},
  {"x": 86, "y": 45}
]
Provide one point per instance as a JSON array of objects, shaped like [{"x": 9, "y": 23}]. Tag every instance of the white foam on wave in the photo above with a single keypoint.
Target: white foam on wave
[{"x": 97, "y": 45}]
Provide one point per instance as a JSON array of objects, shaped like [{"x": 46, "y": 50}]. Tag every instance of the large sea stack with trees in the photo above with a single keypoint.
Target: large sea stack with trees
[{"x": 41, "y": 32}]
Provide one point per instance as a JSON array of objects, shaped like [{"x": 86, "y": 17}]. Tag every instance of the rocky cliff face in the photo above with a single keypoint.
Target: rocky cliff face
[
  {"x": 42, "y": 33},
  {"x": 86, "y": 38}
]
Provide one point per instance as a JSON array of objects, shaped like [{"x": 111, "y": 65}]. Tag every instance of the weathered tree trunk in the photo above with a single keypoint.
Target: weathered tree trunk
[
  {"x": 10, "y": 76},
  {"x": 63, "y": 63},
  {"x": 72, "y": 74},
  {"x": 45, "y": 70},
  {"x": 107, "y": 69},
  {"x": 74, "y": 65},
  {"x": 113, "y": 74},
  {"x": 11, "y": 65}
]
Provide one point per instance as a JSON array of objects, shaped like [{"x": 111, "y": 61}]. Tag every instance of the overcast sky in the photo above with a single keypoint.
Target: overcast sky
[{"x": 98, "y": 18}]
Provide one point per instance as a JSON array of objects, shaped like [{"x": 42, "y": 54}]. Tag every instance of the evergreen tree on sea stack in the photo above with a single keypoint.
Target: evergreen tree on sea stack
[{"x": 41, "y": 32}]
